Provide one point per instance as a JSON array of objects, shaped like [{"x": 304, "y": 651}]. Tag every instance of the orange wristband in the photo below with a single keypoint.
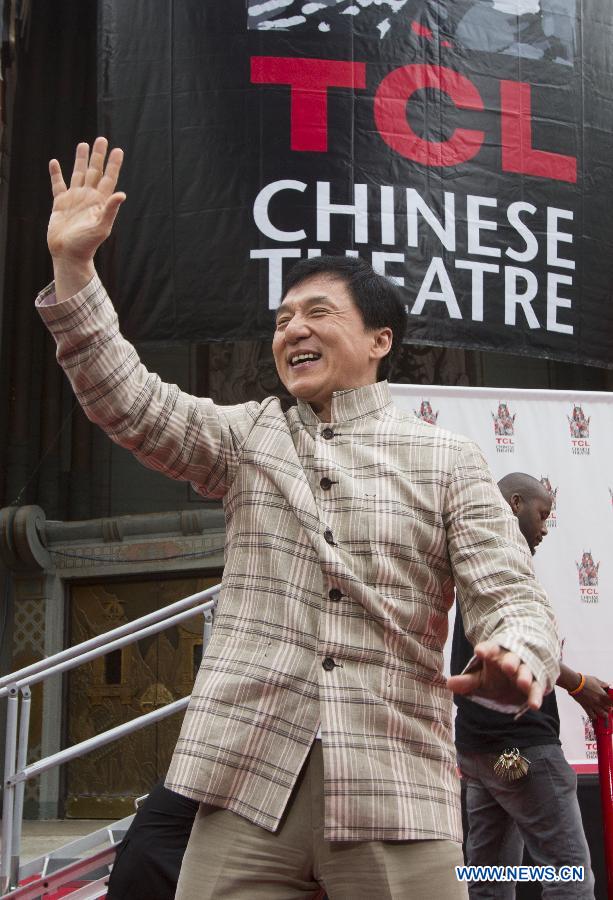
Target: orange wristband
[{"x": 579, "y": 687}]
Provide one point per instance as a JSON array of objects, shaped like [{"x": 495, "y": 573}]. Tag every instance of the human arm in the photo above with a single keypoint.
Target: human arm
[
  {"x": 506, "y": 614},
  {"x": 592, "y": 695},
  {"x": 182, "y": 436}
]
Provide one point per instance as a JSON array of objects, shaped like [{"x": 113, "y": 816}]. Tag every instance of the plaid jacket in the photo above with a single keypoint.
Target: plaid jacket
[{"x": 344, "y": 540}]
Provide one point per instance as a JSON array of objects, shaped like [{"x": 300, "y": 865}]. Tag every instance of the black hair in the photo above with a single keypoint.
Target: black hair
[{"x": 379, "y": 301}]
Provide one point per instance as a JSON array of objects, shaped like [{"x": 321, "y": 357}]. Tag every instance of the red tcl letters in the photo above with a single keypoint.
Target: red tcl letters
[{"x": 309, "y": 80}]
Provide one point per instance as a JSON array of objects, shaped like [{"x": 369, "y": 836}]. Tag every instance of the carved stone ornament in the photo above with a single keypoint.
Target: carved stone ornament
[{"x": 22, "y": 531}]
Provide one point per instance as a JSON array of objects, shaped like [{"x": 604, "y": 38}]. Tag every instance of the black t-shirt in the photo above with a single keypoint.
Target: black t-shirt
[{"x": 482, "y": 730}]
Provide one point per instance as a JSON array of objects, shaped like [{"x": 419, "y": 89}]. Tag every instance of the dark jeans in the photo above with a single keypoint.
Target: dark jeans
[{"x": 540, "y": 809}]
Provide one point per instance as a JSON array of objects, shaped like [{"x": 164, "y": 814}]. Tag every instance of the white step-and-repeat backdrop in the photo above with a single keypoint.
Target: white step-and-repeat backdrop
[{"x": 565, "y": 439}]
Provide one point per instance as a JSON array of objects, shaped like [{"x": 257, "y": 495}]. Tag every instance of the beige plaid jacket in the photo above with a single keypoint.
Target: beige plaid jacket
[{"x": 344, "y": 541}]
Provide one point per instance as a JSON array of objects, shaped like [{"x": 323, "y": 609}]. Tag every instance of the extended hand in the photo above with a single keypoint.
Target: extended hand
[
  {"x": 83, "y": 214},
  {"x": 502, "y": 676},
  {"x": 594, "y": 697}
]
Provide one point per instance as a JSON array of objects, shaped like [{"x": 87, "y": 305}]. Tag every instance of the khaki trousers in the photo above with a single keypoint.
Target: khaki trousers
[{"x": 229, "y": 858}]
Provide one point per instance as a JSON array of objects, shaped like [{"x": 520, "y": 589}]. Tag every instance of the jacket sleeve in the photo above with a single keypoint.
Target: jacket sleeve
[
  {"x": 185, "y": 437},
  {"x": 499, "y": 595}
]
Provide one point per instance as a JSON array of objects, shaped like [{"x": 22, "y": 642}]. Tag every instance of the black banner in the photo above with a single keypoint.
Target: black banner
[{"x": 462, "y": 146}]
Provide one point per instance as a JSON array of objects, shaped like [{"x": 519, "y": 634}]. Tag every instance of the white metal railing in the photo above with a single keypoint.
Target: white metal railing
[{"x": 16, "y": 688}]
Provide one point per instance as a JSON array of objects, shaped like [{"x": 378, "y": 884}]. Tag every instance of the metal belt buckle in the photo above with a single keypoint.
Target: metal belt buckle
[{"x": 511, "y": 765}]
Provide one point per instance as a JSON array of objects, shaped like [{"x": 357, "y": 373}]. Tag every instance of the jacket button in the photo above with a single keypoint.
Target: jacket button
[
  {"x": 334, "y": 594},
  {"x": 327, "y": 434},
  {"x": 328, "y": 537},
  {"x": 325, "y": 484},
  {"x": 328, "y": 664}
]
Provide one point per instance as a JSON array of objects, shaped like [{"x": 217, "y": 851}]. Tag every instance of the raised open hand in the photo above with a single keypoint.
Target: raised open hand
[
  {"x": 83, "y": 214},
  {"x": 501, "y": 676}
]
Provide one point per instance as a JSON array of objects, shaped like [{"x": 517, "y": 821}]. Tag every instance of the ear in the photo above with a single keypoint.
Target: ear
[
  {"x": 515, "y": 502},
  {"x": 381, "y": 343}
]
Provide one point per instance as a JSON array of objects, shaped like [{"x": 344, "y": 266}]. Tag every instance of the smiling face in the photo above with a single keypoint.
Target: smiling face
[{"x": 320, "y": 343}]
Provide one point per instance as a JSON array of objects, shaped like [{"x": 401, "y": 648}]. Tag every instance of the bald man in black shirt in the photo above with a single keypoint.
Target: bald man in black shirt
[{"x": 519, "y": 787}]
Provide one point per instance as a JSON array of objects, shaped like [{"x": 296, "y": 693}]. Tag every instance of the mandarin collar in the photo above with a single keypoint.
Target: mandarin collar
[{"x": 355, "y": 403}]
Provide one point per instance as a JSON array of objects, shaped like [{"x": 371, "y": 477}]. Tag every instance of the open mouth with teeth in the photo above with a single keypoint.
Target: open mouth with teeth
[{"x": 300, "y": 359}]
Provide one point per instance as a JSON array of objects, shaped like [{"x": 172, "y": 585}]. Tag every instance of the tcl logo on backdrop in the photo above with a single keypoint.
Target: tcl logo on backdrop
[{"x": 309, "y": 80}]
